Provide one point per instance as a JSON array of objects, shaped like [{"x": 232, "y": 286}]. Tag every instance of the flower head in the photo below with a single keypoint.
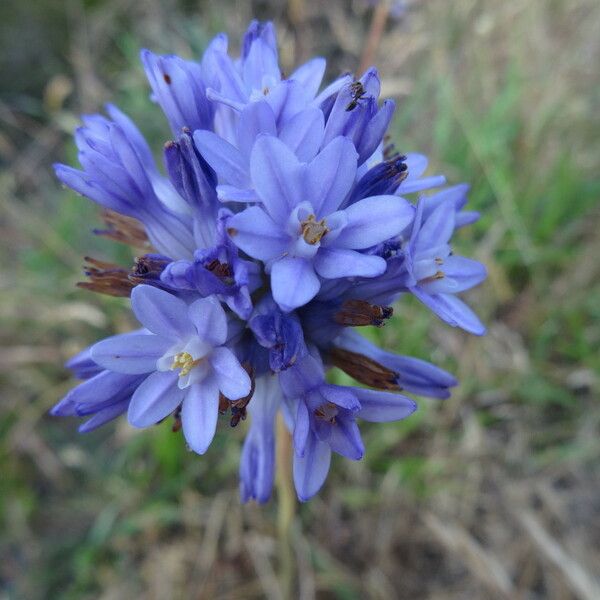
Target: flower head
[{"x": 282, "y": 223}]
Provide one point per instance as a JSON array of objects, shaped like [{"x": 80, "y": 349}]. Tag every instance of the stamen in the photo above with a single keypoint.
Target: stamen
[
  {"x": 327, "y": 412},
  {"x": 364, "y": 369},
  {"x": 438, "y": 275},
  {"x": 358, "y": 313},
  {"x": 312, "y": 230},
  {"x": 106, "y": 278},
  {"x": 185, "y": 362},
  {"x": 126, "y": 230},
  {"x": 222, "y": 270}
]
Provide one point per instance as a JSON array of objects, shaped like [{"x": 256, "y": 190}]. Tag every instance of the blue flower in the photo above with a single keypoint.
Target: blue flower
[
  {"x": 119, "y": 173},
  {"x": 299, "y": 238},
  {"x": 186, "y": 361},
  {"x": 245, "y": 307}
]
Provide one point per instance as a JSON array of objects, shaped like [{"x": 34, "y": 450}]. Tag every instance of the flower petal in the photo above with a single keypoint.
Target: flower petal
[
  {"x": 257, "y": 463},
  {"x": 209, "y": 319},
  {"x": 310, "y": 75},
  {"x": 275, "y": 171},
  {"x": 451, "y": 309},
  {"x": 226, "y": 160},
  {"x": 200, "y": 413},
  {"x": 256, "y": 118},
  {"x": 374, "y": 220},
  {"x": 130, "y": 353},
  {"x": 344, "y": 438},
  {"x": 332, "y": 263},
  {"x": 161, "y": 312},
  {"x": 231, "y": 377},
  {"x": 294, "y": 282},
  {"x": 255, "y": 232},
  {"x": 156, "y": 398},
  {"x": 310, "y": 470},
  {"x": 330, "y": 176},
  {"x": 303, "y": 133},
  {"x": 380, "y": 407}
]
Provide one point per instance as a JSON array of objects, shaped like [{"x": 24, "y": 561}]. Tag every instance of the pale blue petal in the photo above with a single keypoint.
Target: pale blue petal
[
  {"x": 303, "y": 133},
  {"x": 330, "y": 176},
  {"x": 232, "y": 379},
  {"x": 310, "y": 470},
  {"x": 226, "y": 160},
  {"x": 381, "y": 407},
  {"x": 156, "y": 398},
  {"x": 375, "y": 220},
  {"x": 129, "y": 353},
  {"x": 275, "y": 171},
  {"x": 338, "y": 262},
  {"x": 199, "y": 414},
  {"x": 294, "y": 282},
  {"x": 209, "y": 320},
  {"x": 255, "y": 232},
  {"x": 161, "y": 312}
]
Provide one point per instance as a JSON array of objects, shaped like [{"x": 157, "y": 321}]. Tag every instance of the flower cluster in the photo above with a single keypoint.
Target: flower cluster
[{"x": 282, "y": 224}]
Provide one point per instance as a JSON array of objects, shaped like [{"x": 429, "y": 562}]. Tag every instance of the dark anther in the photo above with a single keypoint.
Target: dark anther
[
  {"x": 238, "y": 407},
  {"x": 106, "y": 278},
  {"x": 221, "y": 270},
  {"x": 124, "y": 229},
  {"x": 147, "y": 268},
  {"x": 358, "y": 313},
  {"x": 364, "y": 369},
  {"x": 177, "y": 420},
  {"x": 167, "y": 78}
]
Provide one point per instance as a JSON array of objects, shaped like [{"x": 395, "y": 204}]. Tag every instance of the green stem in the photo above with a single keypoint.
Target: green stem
[{"x": 286, "y": 508}]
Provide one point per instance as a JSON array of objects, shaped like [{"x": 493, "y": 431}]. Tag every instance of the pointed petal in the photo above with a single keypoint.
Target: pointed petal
[
  {"x": 330, "y": 176},
  {"x": 130, "y": 353},
  {"x": 104, "y": 416},
  {"x": 232, "y": 379},
  {"x": 156, "y": 398},
  {"x": 209, "y": 319},
  {"x": 381, "y": 407},
  {"x": 256, "y": 118},
  {"x": 275, "y": 170},
  {"x": 374, "y": 220},
  {"x": 257, "y": 464},
  {"x": 303, "y": 133},
  {"x": 437, "y": 229},
  {"x": 225, "y": 159},
  {"x": 255, "y": 232},
  {"x": 345, "y": 439},
  {"x": 337, "y": 262},
  {"x": 199, "y": 414},
  {"x": 310, "y": 470},
  {"x": 451, "y": 309},
  {"x": 310, "y": 75},
  {"x": 161, "y": 312}
]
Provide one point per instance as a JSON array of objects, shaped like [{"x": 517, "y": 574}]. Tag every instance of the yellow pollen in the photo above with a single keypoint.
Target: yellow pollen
[
  {"x": 313, "y": 230},
  {"x": 185, "y": 362}
]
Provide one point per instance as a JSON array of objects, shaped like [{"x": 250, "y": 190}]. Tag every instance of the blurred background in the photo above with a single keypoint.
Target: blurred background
[{"x": 493, "y": 493}]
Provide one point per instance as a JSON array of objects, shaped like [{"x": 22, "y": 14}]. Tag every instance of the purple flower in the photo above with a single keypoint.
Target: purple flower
[
  {"x": 186, "y": 361},
  {"x": 246, "y": 307},
  {"x": 119, "y": 173},
  {"x": 300, "y": 239},
  {"x": 435, "y": 275}
]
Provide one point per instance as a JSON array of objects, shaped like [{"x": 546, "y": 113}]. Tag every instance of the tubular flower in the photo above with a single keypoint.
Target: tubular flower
[{"x": 283, "y": 222}]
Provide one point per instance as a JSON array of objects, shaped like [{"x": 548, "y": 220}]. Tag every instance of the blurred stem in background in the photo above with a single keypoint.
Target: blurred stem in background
[
  {"x": 286, "y": 508},
  {"x": 378, "y": 21}
]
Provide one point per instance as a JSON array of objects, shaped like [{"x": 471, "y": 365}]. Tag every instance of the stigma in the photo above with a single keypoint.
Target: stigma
[
  {"x": 185, "y": 362},
  {"x": 312, "y": 230}
]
